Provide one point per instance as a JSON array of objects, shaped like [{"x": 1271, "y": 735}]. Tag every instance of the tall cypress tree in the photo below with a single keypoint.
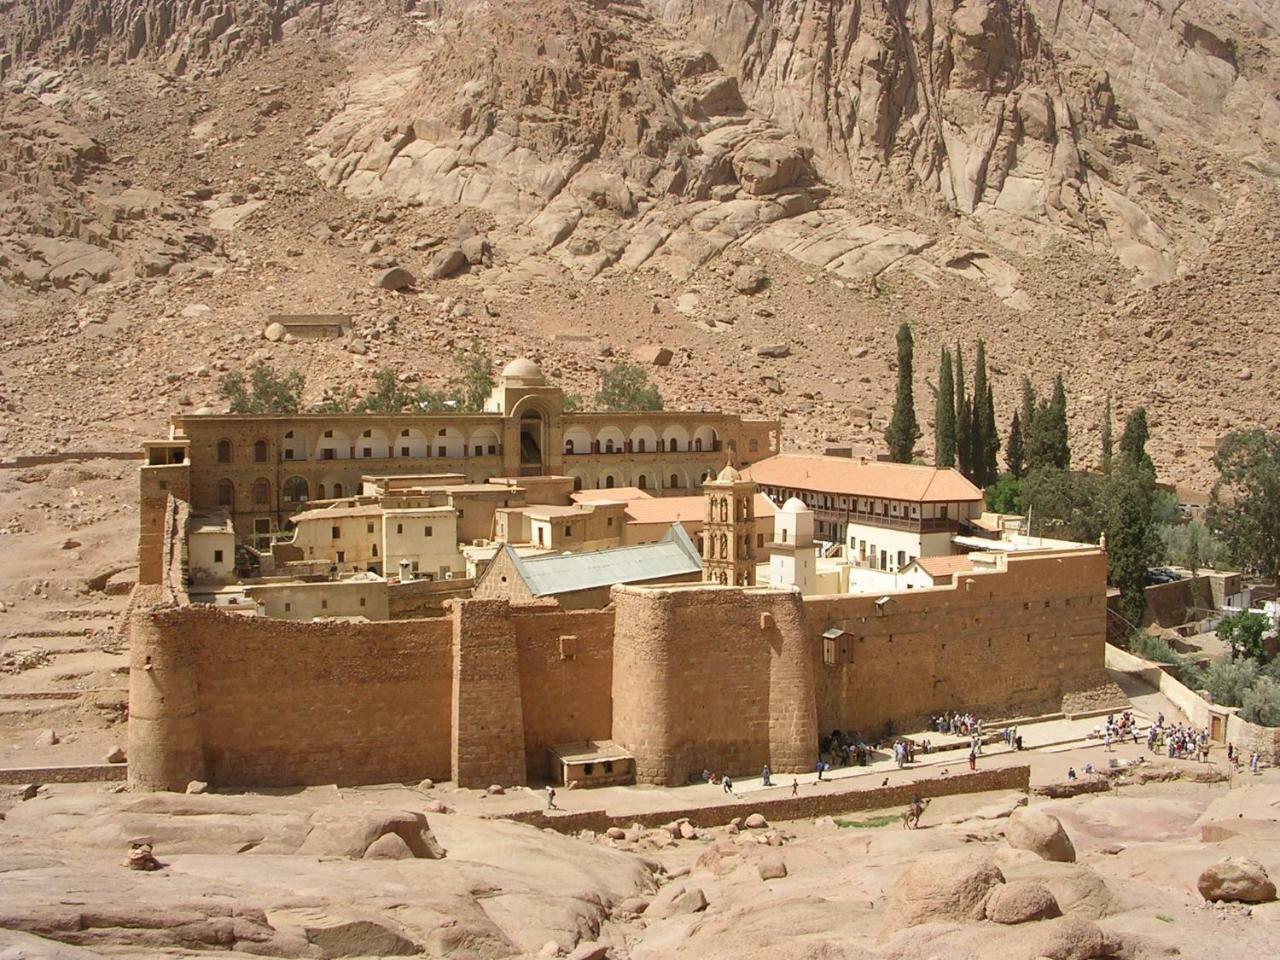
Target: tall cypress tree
[
  {"x": 944, "y": 419},
  {"x": 1027, "y": 419},
  {"x": 903, "y": 430},
  {"x": 1013, "y": 452},
  {"x": 964, "y": 417},
  {"x": 1129, "y": 518},
  {"x": 1106, "y": 435},
  {"x": 991, "y": 440},
  {"x": 1061, "y": 444}
]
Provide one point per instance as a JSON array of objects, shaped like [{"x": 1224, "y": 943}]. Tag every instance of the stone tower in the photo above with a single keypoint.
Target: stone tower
[
  {"x": 793, "y": 558},
  {"x": 729, "y": 529}
]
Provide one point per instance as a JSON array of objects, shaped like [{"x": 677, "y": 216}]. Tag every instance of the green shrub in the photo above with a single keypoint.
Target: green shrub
[
  {"x": 1151, "y": 647},
  {"x": 1262, "y": 703},
  {"x": 1228, "y": 681}
]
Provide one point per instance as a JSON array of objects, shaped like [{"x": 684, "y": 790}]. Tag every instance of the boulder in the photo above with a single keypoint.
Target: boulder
[
  {"x": 1237, "y": 879},
  {"x": 633, "y": 906},
  {"x": 446, "y": 263},
  {"x": 396, "y": 278},
  {"x": 654, "y": 355},
  {"x": 45, "y": 738},
  {"x": 116, "y": 755},
  {"x": 953, "y": 885},
  {"x": 616, "y": 833},
  {"x": 196, "y": 787},
  {"x": 346, "y": 935},
  {"x": 776, "y": 350},
  {"x": 589, "y": 951},
  {"x": 275, "y": 332},
  {"x": 389, "y": 846},
  {"x": 1020, "y": 901},
  {"x": 767, "y": 166},
  {"x": 687, "y": 832},
  {"x": 772, "y": 869},
  {"x": 476, "y": 250},
  {"x": 676, "y": 899},
  {"x": 1041, "y": 833},
  {"x": 341, "y": 833},
  {"x": 495, "y": 790},
  {"x": 749, "y": 279},
  {"x": 755, "y": 821}
]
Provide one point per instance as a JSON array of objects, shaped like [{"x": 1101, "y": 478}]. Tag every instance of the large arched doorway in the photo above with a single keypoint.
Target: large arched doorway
[{"x": 533, "y": 429}]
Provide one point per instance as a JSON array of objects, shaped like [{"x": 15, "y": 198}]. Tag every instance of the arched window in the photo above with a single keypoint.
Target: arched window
[
  {"x": 640, "y": 445},
  {"x": 662, "y": 446},
  {"x": 675, "y": 480},
  {"x": 644, "y": 481},
  {"x": 226, "y": 494},
  {"x": 262, "y": 491},
  {"x": 375, "y": 549},
  {"x": 608, "y": 482},
  {"x": 320, "y": 492},
  {"x": 296, "y": 490},
  {"x": 260, "y": 451},
  {"x": 577, "y": 483},
  {"x": 697, "y": 443},
  {"x": 224, "y": 451},
  {"x": 568, "y": 446},
  {"x": 337, "y": 491},
  {"x": 608, "y": 445}
]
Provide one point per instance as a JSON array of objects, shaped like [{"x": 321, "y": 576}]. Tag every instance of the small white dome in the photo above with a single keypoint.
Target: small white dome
[
  {"x": 729, "y": 475},
  {"x": 795, "y": 505},
  {"x": 522, "y": 368}
]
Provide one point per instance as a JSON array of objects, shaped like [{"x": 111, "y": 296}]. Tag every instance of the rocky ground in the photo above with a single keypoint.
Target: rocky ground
[
  {"x": 172, "y": 180},
  {"x": 394, "y": 871}
]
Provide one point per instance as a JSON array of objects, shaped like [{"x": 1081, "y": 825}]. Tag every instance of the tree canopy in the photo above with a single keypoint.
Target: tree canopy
[
  {"x": 1245, "y": 507},
  {"x": 267, "y": 391},
  {"x": 944, "y": 420},
  {"x": 626, "y": 387}
]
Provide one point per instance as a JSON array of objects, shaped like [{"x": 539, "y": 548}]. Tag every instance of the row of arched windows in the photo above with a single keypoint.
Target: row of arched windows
[
  {"x": 261, "y": 493},
  {"x": 633, "y": 446},
  {"x": 226, "y": 451}
]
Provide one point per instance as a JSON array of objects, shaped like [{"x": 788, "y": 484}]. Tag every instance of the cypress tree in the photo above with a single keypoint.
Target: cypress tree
[
  {"x": 944, "y": 420},
  {"x": 991, "y": 440},
  {"x": 1060, "y": 444},
  {"x": 964, "y": 418},
  {"x": 977, "y": 439},
  {"x": 1013, "y": 451},
  {"x": 903, "y": 430},
  {"x": 1027, "y": 419},
  {"x": 1106, "y": 435},
  {"x": 1130, "y": 491}
]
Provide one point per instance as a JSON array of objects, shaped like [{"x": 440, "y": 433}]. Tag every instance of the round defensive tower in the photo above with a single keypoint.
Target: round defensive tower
[
  {"x": 793, "y": 707},
  {"x": 166, "y": 750},
  {"x": 642, "y": 664}
]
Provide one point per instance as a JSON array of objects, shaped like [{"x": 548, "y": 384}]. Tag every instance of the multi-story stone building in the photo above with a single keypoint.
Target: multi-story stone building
[
  {"x": 886, "y": 514},
  {"x": 261, "y": 470}
]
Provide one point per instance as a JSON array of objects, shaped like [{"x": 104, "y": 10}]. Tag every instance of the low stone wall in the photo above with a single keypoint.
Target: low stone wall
[
  {"x": 88, "y": 773},
  {"x": 71, "y": 456},
  {"x": 788, "y": 808}
]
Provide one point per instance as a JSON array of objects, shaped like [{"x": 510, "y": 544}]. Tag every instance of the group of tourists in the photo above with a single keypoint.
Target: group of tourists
[
  {"x": 845, "y": 750},
  {"x": 957, "y": 724},
  {"x": 1235, "y": 758},
  {"x": 1181, "y": 742}
]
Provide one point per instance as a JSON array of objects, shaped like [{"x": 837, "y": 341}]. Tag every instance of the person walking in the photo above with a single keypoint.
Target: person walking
[
  {"x": 551, "y": 798},
  {"x": 728, "y": 784},
  {"x": 1253, "y": 763},
  {"x": 973, "y": 759},
  {"x": 767, "y": 776},
  {"x": 821, "y": 767},
  {"x": 795, "y": 787}
]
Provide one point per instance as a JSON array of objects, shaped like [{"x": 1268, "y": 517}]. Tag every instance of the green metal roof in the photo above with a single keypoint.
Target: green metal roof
[{"x": 672, "y": 556}]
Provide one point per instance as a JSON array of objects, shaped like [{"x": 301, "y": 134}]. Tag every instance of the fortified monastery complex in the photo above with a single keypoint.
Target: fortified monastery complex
[{"x": 386, "y": 598}]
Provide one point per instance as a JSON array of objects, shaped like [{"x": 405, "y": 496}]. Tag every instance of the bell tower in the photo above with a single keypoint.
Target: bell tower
[{"x": 729, "y": 529}]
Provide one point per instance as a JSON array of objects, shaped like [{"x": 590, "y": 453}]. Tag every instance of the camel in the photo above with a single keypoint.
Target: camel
[{"x": 911, "y": 816}]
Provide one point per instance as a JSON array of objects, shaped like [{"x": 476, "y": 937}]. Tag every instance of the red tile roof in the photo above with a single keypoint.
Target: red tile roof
[
  {"x": 855, "y": 478},
  {"x": 683, "y": 509}
]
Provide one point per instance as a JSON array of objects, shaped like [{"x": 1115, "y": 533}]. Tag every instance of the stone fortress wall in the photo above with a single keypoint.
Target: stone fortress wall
[{"x": 725, "y": 678}]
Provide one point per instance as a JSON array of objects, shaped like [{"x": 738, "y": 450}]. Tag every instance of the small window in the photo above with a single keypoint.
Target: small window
[
  {"x": 404, "y": 433},
  {"x": 753, "y": 446},
  {"x": 287, "y": 606},
  {"x": 328, "y": 434},
  {"x": 368, "y": 527},
  {"x": 335, "y": 532},
  {"x": 375, "y": 549},
  {"x": 324, "y": 604},
  {"x": 399, "y": 528},
  {"x": 362, "y": 601},
  {"x": 609, "y": 522},
  {"x": 217, "y": 556},
  {"x": 288, "y": 453},
  {"x": 260, "y": 452},
  {"x": 404, "y": 451},
  {"x": 224, "y": 451},
  {"x": 460, "y": 514},
  {"x": 441, "y": 451},
  {"x": 568, "y": 530},
  {"x": 759, "y": 540},
  {"x": 426, "y": 531},
  {"x": 342, "y": 556},
  {"x": 367, "y": 433},
  {"x": 368, "y": 452}
]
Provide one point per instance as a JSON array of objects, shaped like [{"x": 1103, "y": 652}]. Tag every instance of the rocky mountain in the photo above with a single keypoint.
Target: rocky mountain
[{"x": 1070, "y": 178}]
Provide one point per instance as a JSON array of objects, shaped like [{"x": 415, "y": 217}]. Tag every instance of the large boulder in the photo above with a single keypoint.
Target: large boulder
[
  {"x": 1041, "y": 833},
  {"x": 1020, "y": 901},
  {"x": 676, "y": 899},
  {"x": 342, "y": 833},
  {"x": 749, "y": 279},
  {"x": 953, "y": 885},
  {"x": 767, "y": 166},
  {"x": 397, "y": 278},
  {"x": 1237, "y": 878},
  {"x": 446, "y": 263}
]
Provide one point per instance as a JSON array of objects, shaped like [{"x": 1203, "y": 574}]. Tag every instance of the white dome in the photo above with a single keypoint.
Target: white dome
[
  {"x": 729, "y": 475},
  {"x": 795, "y": 505},
  {"x": 522, "y": 368}
]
